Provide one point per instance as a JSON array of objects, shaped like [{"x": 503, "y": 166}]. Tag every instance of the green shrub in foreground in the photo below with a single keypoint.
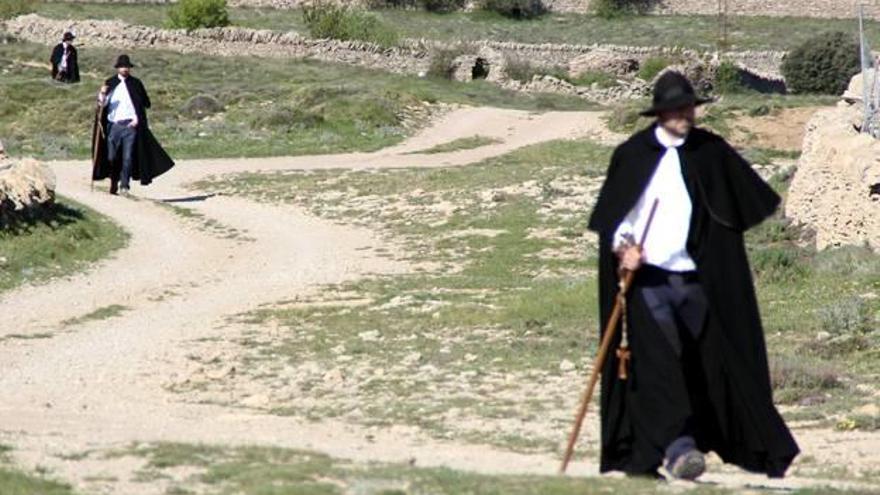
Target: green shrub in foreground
[
  {"x": 823, "y": 64},
  {"x": 195, "y": 14},
  {"x": 329, "y": 21}
]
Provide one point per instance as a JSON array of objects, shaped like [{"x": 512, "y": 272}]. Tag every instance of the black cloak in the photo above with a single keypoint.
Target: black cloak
[
  {"x": 150, "y": 160},
  {"x": 734, "y": 406},
  {"x": 71, "y": 75}
]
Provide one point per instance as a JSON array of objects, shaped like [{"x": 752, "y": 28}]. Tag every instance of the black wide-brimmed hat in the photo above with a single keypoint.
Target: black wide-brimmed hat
[
  {"x": 673, "y": 91},
  {"x": 68, "y": 36},
  {"x": 123, "y": 61}
]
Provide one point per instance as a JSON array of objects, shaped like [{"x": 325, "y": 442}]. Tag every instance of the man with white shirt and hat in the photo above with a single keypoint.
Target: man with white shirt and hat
[
  {"x": 697, "y": 377},
  {"x": 124, "y": 147}
]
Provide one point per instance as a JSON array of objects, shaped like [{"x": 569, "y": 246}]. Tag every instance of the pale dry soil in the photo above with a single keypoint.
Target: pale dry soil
[{"x": 194, "y": 262}]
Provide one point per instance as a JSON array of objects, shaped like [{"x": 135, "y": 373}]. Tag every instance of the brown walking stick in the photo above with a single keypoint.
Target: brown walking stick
[{"x": 622, "y": 353}]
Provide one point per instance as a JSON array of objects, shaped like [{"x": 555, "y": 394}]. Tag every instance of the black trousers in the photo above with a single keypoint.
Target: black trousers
[{"x": 667, "y": 394}]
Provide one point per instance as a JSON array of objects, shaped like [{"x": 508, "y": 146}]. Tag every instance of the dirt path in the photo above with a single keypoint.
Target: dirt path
[{"x": 98, "y": 384}]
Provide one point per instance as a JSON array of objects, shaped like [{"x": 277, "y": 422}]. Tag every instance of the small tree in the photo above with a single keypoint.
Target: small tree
[
  {"x": 194, "y": 14},
  {"x": 823, "y": 64}
]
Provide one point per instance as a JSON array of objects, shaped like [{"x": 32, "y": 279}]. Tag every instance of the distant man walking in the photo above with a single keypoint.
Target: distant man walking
[
  {"x": 124, "y": 147},
  {"x": 698, "y": 378},
  {"x": 65, "y": 64}
]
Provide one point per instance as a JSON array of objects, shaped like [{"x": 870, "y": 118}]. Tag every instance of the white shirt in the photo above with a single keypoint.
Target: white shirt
[
  {"x": 665, "y": 246},
  {"x": 121, "y": 107},
  {"x": 65, "y": 49}
]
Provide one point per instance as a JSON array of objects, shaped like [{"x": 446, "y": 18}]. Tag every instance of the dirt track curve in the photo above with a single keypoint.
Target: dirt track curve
[{"x": 99, "y": 385}]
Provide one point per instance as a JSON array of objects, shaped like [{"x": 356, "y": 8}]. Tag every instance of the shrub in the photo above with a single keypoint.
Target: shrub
[
  {"x": 609, "y": 9},
  {"x": 729, "y": 79},
  {"x": 515, "y": 9},
  {"x": 626, "y": 117},
  {"x": 848, "y": 316},
  {"x": 287, "y": 118},
  {"x": 194, "y": 14},
  {"x": 523, "y": 70},
  {"x": 778, "y": 264},
  {"x": 653, "y": 66},
  {"x": 602, "y": 79},
  {"x": 441, "y": 61},
  {"x": 326, "y": 20},
  {"x": 200, "y": 106},
  {"x": 436, "y": 6},
  {"x": 794, "y": 378},
  {"x": 823, "y": 64},
  {"x": 442, "y": 6},
  {"x": 391, "y": 4},
  {"x": 15, "y": 8}
]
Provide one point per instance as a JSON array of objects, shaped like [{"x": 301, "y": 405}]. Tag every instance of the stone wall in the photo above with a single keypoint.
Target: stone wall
[
  {"x": 793, "y": 8},
  {"x": 778, "y": 8},
  {"x": 412, "y": 57}
]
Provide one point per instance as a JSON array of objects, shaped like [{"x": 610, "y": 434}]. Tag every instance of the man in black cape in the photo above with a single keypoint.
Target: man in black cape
[
  {"x": 698, "y": 373},
  {"x": 65, "y": 64},
  {"x": 123, "y": 146}
]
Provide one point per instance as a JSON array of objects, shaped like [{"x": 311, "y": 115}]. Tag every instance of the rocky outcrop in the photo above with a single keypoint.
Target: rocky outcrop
[
  {"x": 836, "y": 189},
  {"x": 25, "y": 186}
]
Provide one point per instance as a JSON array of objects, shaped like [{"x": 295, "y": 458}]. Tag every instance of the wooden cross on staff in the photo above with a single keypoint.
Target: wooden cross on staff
[{"x": 623, "y": 352}]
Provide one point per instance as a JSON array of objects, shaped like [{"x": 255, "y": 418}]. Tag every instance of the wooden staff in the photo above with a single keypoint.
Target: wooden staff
[
  {"x": 97, "y": 134},
  {"x": 599, "y": 363}
]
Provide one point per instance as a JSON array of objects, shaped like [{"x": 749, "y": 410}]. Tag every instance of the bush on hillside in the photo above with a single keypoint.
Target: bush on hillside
[
  {"x": 523, "y": 70},
  {"x": 329, "y": 21},
  {"x": 441, "y": 61},
  {"x": 653, "y": 66},
  {"x": 195, "y": 14},
  {"x": 15, "y": 8},
  {"x": 515, "y": 9},
  {"x": 436, "y": 6},
  {"x": 729, "y": 79},
  {"x": 823, "y": 64},
  {"x": 442, "y": 6},
  {"x": 610, "y": 9}
]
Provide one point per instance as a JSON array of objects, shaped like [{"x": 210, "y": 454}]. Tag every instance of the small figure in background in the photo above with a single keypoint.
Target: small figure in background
[{"x": 65, "y": 66}]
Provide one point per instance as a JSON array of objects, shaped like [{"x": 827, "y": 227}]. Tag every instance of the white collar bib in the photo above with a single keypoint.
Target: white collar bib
[{"x": 666, "y": 139}]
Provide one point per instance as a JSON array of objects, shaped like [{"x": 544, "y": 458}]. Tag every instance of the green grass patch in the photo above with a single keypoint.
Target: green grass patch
[
  {"x": 460, "y": 144},
  {"x": 102, "y": 313},
  {"x": 14, "y": 482},
  {"x": 270, "y": 470},
  {"x": 293, "y": 107},
  {"x": 66, "y": 239},
  {"x": 744, "y": 33}
]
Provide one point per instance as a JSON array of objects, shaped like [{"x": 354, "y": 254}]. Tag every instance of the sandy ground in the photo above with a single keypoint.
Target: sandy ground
[{"x": 98, "y": 385}]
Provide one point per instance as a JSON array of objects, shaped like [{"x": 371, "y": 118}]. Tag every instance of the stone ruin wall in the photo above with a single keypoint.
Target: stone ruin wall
[
  {"x": 412, "y": 57},
  {"x": 780, "y": 8}
]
